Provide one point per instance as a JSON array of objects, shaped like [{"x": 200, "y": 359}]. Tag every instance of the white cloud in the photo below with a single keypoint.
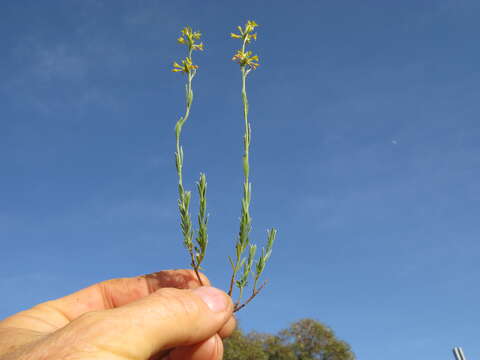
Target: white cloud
[
  {"x": 59, "y": 62},
  {"x": 54, "y": 76}
]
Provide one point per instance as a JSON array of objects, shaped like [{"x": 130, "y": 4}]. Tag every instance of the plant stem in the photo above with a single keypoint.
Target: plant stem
[
  {"x": 245, "y": 220},
  {"x": 238, "y": 307},
  {"x": 184, "y": 197}
]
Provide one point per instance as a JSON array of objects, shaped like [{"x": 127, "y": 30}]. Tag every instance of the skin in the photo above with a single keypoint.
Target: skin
[{"x": 165, "y": 315}]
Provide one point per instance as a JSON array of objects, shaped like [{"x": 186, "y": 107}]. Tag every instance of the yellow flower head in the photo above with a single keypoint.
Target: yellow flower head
[
  {"x": 188, "y": 38},
  {"x": 246, "y": 59},
  {"x": 187, "y": 66},
  {"x": 246, "y": 33},
  {"x": 250, "y": 26},
  {"x": 198, "y": 47}
]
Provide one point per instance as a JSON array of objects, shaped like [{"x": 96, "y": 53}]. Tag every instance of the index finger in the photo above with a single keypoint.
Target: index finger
[{"x": 109, "y": 294}]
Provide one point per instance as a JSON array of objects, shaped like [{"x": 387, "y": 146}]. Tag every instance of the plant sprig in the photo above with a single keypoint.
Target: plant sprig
[
  {"x": 247, "y": 62},
  {"x": 196, "y": 252},
  {"x": 243, "y": 266}
]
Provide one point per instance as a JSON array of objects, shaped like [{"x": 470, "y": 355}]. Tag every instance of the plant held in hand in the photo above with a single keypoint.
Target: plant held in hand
[
  {"x": 242, "y": 266},
  {"x": 197, "y": 251},
  {"x": 248, "y": 62}
]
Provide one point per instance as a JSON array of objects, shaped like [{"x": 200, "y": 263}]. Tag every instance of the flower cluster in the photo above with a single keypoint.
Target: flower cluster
[
  {"x": 246, "y": 34},
  {"x": 188, "y": 38},
  {"x": 245, "y": 58},
  {"x": 187, "y": 67}
]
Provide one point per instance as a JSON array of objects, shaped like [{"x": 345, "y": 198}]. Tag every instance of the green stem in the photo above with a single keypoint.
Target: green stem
[
  {"x": 238, "y": 307},
  {"x": 245, "y": 222},
  {"x": 184, "y": 197}
]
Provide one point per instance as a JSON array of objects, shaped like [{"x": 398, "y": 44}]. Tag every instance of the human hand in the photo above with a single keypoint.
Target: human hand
[{"x": 165, "y": 315}]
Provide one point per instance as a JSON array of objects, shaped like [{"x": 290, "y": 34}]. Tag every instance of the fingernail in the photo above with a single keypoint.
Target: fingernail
[{"x": 214, "y": 298}]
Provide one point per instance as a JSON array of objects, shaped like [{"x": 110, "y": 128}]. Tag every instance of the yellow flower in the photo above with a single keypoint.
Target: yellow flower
[
  {"x": 246, "y": 33},
  {"x": 198, "y": 47},
  {"x": 188, "y": 37},
  {"x": 250, "y": 26},
  {"x": 187, "y": 67},
  {"x": 245, "y": 59},
  {"x": 187, "y": 31},
  {"x": 249, "y": 37},
  {"x": 177, "y": 67}
]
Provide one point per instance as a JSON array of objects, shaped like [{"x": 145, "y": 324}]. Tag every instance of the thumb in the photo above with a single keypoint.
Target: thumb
[{"x": 161, "y": 321}]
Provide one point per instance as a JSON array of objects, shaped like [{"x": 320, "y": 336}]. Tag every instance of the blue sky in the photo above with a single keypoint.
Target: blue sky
[{"x": 365, "y": 156}]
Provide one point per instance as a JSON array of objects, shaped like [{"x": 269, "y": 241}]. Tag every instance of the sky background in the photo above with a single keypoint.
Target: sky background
[{"x": 365, "y": 156}]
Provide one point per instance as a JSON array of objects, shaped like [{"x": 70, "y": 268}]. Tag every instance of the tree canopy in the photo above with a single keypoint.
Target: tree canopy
[{"x": 306, "y": 339}]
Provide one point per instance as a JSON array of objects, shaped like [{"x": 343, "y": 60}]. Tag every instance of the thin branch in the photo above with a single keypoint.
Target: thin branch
[
  {"x": 198, "y": 277},
  {"x": 195, "y": 268},
  {"x": 232, "y": 281},
  {"x": 238, "y": 307}
]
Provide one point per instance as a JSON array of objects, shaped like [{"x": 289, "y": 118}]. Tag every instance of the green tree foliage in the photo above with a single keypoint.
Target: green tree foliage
[
  {"x": 305, "y": 339},
  {"x": 311, "y": 340},
  {"x": 243, "y": 347}
]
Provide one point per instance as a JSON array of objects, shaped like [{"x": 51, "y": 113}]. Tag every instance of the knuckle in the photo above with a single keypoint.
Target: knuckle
[{"x": 193, "y": 279}]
